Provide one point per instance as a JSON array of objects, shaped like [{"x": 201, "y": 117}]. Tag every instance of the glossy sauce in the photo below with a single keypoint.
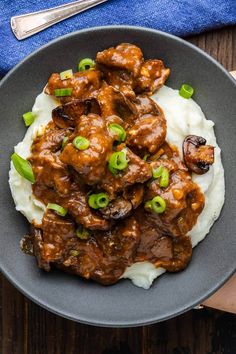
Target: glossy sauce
[{"x": 123, "y": 233}]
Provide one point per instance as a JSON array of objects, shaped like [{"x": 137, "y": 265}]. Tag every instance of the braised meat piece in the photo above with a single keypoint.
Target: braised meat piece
[
  {"x": 48, "y": 168},
  {"x": 100, "y": 257},
  {"x": 51, "y": 240},
  {"x": 103, "y": 257},
  {"x": 124, "y": 56},
  {"x": 124, "y": 68},
  {"x": 148, "y": 133},
  {"x": 145, "y": 105},
  {"x": 183, "y": 198},
  {"x": 78, "y": 207},
  {"x": 137, "y": 171},
  {"x": 91, "y": 164},
  {"x": 182, "y": 253},
  {"x": 164, "y": 251},
  {"x": 119, "y": 66},
  {"x": 197, "y": 155},
  {"x": 76, "y": 203},
  {"x": 152, "y": 76},
  {"x": 121, "y": 80},
  {"x": 84, "y": 84}
]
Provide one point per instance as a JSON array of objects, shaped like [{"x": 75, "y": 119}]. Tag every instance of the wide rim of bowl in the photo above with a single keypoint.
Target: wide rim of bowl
[{"x": 82, "y": 319}]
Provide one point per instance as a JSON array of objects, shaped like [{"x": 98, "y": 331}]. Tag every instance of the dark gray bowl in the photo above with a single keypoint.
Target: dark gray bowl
[{"x": 122, "y": 304}]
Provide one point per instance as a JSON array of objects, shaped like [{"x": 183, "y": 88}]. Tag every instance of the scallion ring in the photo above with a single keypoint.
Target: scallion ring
[
  {"x": 63, "y": 92},
  {"x": 157, "y": 204},
  {"x": 112, "y": 170},
  {"x": 67, "y": 74},
  {"x": 157, "y": 172},
  {"x": 97, "y": 201},
  {"x": 82, "y": 233},
  {"x": 23, "y": 167},
  {"x": 28, "y": 118},
  {"x": 145, "y": 157},
  {"x": 57, "y": 208},
  {"x": 118, "y": 130},
  {"x": 64, "y": 142},
  {"x": 165, "y": 177},
  {"x": 81, "y": 143},
  {"x": 86, "y": 64},
  {"x": 186, "y": 91},
  {"x": 118, "y": 160}
]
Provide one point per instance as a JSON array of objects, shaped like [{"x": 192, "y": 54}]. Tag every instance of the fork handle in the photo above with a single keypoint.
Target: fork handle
[{"x": 26, "y": 25}]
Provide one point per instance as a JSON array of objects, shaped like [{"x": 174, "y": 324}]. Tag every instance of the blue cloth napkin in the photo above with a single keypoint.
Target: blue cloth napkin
[{"x": 179, "y": 17}]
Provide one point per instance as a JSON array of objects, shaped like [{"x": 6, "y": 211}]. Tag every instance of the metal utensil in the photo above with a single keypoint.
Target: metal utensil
[{"x": 24, "y": 26}]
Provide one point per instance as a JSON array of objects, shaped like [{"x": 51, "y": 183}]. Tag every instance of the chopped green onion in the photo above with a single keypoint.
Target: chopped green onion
[
  {"x": 165, "y": 176},
  {"x": 86, "y": 64},
  {"x": 113, "y": 170},
  {"x": 57, "y": 208},
  {"x": 67, "y": 74},
  {"x": 81, "y": 143},
  {"x": 82, "y": 233},
  {"x": 145, "y": 157},
  {"x": 157, "y": 172},
  {"x": 92, "y": 201},
  {"x": 74, "y": 253},
  {"x": 118, "y": 130},
  {"x": 118, "y": 161},
  {"x": 148, "y": 204},
  {"x": 186, "y": 91},
  {"x": 64, "y": 142},
  {"x": 97, "y": 201},
  {"x": 157, "y": 204},
  {"x": 63, "y": 92},
  {"x": 29, "y": 118},
  {"x": 23, "y": 167}
]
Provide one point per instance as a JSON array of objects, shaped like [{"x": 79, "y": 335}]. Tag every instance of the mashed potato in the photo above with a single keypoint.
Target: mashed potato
[{"x": 184, "y": 117}]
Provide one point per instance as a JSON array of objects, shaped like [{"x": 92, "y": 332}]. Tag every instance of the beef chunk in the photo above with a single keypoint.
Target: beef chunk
[
  {"x": 91, "y": 164},
  {"x": 147, "y": 133},
  {"x": 153, "y": 75},
  {"x": 50, "y": 242},
  {"x": 183, "y": 198},
  {"x": 104, "y": 257},
  {"x": 138, "y": 171},
  {"x": 78, "y": 207},
  {"x": 84, "y": 84},
  {"x": 124, "y": 56}
]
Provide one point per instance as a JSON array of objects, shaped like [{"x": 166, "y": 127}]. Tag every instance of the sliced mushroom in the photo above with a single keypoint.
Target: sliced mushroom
[
  {"x": 197, "y": 155},
  {"x": 117, "y": 209},
  {"x": 68, "y": 114}
]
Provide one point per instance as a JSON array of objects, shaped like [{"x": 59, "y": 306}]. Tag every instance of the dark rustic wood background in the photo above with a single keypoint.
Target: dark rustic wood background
[{"x": 28, "y": 329}]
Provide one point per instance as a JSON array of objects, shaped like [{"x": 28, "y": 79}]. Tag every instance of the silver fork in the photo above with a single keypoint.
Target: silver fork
[{"x": 24, "y": 26}]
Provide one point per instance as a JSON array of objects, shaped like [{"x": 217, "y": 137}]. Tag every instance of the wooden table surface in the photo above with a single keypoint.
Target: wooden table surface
[{"x": 27, "y": 328}]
